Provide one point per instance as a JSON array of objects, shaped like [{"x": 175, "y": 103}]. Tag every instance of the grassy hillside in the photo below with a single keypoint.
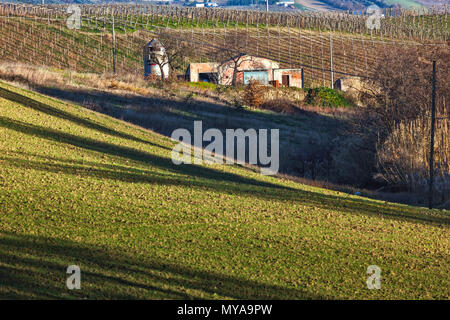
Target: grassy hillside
[{"x": 77, "y": 187}]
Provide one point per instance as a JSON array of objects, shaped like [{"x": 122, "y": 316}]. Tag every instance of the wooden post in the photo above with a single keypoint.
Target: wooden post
[
  {"x": 331, "y": 60},
  {"x": 303, "y": 78},
  {"x": 114, "y": 45},
  {"x": 433, "y": 120}
]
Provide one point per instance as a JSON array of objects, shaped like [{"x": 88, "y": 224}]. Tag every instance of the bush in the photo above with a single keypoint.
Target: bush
[
  {"x": 326, "y": 97},
  {"x": 253, "y": 94}
]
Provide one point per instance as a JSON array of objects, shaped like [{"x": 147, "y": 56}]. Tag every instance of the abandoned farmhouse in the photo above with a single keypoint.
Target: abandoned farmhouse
[{"x": 240, "y": 69}]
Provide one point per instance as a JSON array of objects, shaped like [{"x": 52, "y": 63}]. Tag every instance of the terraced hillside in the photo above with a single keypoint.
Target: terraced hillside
[
  {"x": 77, "y": 187},
  {"x": 90, "y": 50},
  {"x": 53, "y": 44},
  {"x": 328, "y": 46}
]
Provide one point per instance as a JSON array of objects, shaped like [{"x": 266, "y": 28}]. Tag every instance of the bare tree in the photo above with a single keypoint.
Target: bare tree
[
  {"x": 397, "y": 117},
  {"x": 401, "y": 88},
  {"x": 233, "y": 55}
]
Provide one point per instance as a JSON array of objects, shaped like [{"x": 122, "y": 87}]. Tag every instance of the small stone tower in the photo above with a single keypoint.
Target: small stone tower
[{"x": 155, "y": 59}]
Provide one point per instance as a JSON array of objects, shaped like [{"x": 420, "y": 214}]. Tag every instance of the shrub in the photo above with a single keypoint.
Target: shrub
[
  {"x": 154, "y": 81},
  {"x": 253, "y": 94},
  {"x": 326, "y": 97}
]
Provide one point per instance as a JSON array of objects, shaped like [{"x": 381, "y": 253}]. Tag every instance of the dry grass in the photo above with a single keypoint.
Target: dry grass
[
  {"x": 405, "y": 155},
  {"x": 282, "y": 105},
  {"x": 40, "y": 76}
]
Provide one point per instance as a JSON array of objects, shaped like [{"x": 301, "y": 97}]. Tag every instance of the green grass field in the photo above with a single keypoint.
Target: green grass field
[{"x": 77, "y": 187}]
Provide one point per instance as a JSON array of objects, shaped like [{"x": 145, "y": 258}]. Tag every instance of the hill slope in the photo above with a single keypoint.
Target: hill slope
[
  {"x": 326, "y": 5},
  {"x": 77, "y": 187},
  {"x": 42, "y": 43}
]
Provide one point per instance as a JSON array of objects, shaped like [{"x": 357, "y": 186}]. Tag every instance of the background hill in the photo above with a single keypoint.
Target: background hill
[{"x": 325, "y": 5}]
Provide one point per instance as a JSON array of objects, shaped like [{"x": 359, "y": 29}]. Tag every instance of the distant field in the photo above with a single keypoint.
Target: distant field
[
  {"x": 77, "y": 187},
  {"x": 434, "y": 2},
  {"x": 315, "y": 4},
  {"x": 323, "y": 6},
  {"x": 404, "y": 3}
]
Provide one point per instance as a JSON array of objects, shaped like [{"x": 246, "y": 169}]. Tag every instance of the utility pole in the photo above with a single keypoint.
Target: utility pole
[
  {"x": 114, "y": 44},
  {"x": 433, "y": 120},
  {"x": 331, "y": 60},
  {"x": 267, "y": 5}
]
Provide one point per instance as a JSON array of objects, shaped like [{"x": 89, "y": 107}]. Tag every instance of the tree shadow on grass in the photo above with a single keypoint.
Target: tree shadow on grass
[
  {"x": 35, "y": 267},
  {"x": 57, "y": 112},
  {"x": 210, "y": 178},
  {"x": 263, "y": 191},
  {"x": 151, "y": 111},
  {"x": 147, "y": 112},
  {"x": 128, "y": 153}
]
